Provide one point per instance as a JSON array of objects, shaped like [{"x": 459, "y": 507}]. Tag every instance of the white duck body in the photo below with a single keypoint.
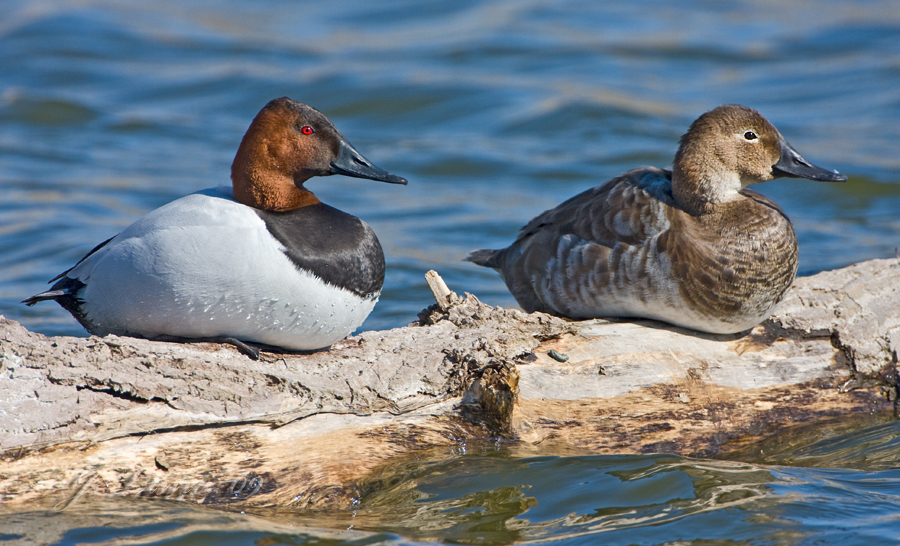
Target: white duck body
[{"x": 203, "y": 265}]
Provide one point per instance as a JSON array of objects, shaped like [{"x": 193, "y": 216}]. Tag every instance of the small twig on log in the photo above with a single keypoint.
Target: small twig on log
[{"x": 442, "y": 295}]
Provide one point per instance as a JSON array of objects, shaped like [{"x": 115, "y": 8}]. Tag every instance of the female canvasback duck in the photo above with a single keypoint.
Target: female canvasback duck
[
  {"x": 262, "y": 262},
  {"x": 690, "y": 246}
]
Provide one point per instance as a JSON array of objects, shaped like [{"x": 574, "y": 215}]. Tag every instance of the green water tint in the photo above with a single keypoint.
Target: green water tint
[
  {"x": 857, "y": 442},
  {"x": 494, "y": 499},
  {"x": 488, "y": 493}
]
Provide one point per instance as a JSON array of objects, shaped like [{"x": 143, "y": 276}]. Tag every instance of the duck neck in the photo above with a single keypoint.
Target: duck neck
[
  {"x": 703, "y": 189},
  {"x": 262, "y": 175},
  {"x": 263, "y": 189}
]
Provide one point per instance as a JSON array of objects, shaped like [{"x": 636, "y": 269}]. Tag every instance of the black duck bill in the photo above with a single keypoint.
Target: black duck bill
[
  {"x": 350, "y": 162},
  {"x": 791, "y": 164}
]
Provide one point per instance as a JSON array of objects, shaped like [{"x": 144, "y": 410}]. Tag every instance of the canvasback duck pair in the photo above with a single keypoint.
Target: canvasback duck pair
[
  {"x": 690, "y": 246},
  {"x": 261, "y": 262}
]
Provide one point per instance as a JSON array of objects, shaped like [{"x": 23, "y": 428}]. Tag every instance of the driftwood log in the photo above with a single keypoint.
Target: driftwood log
[{"x": 203, "y": 423}]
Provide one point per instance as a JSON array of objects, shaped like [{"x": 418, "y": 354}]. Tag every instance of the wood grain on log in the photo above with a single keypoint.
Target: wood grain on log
[{"x": 203, "y": 423}]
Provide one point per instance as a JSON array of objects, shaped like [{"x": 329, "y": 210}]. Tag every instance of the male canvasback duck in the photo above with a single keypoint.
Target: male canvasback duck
[
  {"x": 261, "y": 262},
  {"x": 690, "y": 246}
]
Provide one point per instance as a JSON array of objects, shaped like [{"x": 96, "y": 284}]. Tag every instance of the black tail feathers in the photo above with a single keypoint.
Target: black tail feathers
[{"x": 484, "y": 257}]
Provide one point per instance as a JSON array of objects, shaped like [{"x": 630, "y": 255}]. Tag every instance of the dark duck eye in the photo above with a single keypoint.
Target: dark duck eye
[{"x": 750, "y": 135}]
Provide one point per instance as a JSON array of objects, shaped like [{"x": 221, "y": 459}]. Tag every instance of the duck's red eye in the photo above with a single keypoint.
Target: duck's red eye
[{"x": 307, "y": 130}]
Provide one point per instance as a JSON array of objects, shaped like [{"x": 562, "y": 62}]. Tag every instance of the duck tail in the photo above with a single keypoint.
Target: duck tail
[
  {"x": 44, "y": 296},
  {"x": 484, "y": 257},
  {"x": 64, "y": 292}
]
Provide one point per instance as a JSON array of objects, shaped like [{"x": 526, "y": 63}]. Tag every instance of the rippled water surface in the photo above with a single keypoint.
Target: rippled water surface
[
  {"x": 495, "y": 111},
  {"x": 842, "y": 488}
]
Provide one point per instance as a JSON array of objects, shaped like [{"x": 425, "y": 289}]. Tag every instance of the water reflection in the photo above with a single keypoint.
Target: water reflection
[
  {"x": 504, "y": 494},
  {"x": 494, "y": 498},
  {"x": 497, "y": 499}
]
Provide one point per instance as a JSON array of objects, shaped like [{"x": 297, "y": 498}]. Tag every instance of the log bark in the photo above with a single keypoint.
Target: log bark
[{"x": 203, "y": 423}]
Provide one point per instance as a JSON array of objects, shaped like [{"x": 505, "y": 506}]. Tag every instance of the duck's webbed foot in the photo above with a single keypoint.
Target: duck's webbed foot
[{"x": 245, "y": 347}]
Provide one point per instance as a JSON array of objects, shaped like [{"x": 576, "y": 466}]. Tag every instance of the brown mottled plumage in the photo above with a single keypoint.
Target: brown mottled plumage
[{"x": 689, "y": 246}]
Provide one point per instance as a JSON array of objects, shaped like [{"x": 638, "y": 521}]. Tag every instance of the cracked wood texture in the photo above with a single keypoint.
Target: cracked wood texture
[
  {"x": 641, "y": 386},
  {"x": 203, "y": 423}
]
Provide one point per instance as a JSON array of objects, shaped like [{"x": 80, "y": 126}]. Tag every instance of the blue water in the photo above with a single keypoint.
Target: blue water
[
  {"x": 493, "y": 494},
  {"x": 495, "y": 111}
]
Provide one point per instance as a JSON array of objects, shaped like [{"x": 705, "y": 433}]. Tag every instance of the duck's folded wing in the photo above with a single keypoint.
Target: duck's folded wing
[
  {"x": 628, "y": 209},
  {"x": 565, "y": 253}
]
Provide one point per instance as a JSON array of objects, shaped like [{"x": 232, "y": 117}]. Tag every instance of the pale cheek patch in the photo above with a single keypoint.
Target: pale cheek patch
[{"x": 726, "y": 188}]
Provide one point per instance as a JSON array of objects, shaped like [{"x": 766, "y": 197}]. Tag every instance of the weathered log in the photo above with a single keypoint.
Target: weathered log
[
  {"x": 202, "y": 422},
  {"x": 646, "y": 387}
]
